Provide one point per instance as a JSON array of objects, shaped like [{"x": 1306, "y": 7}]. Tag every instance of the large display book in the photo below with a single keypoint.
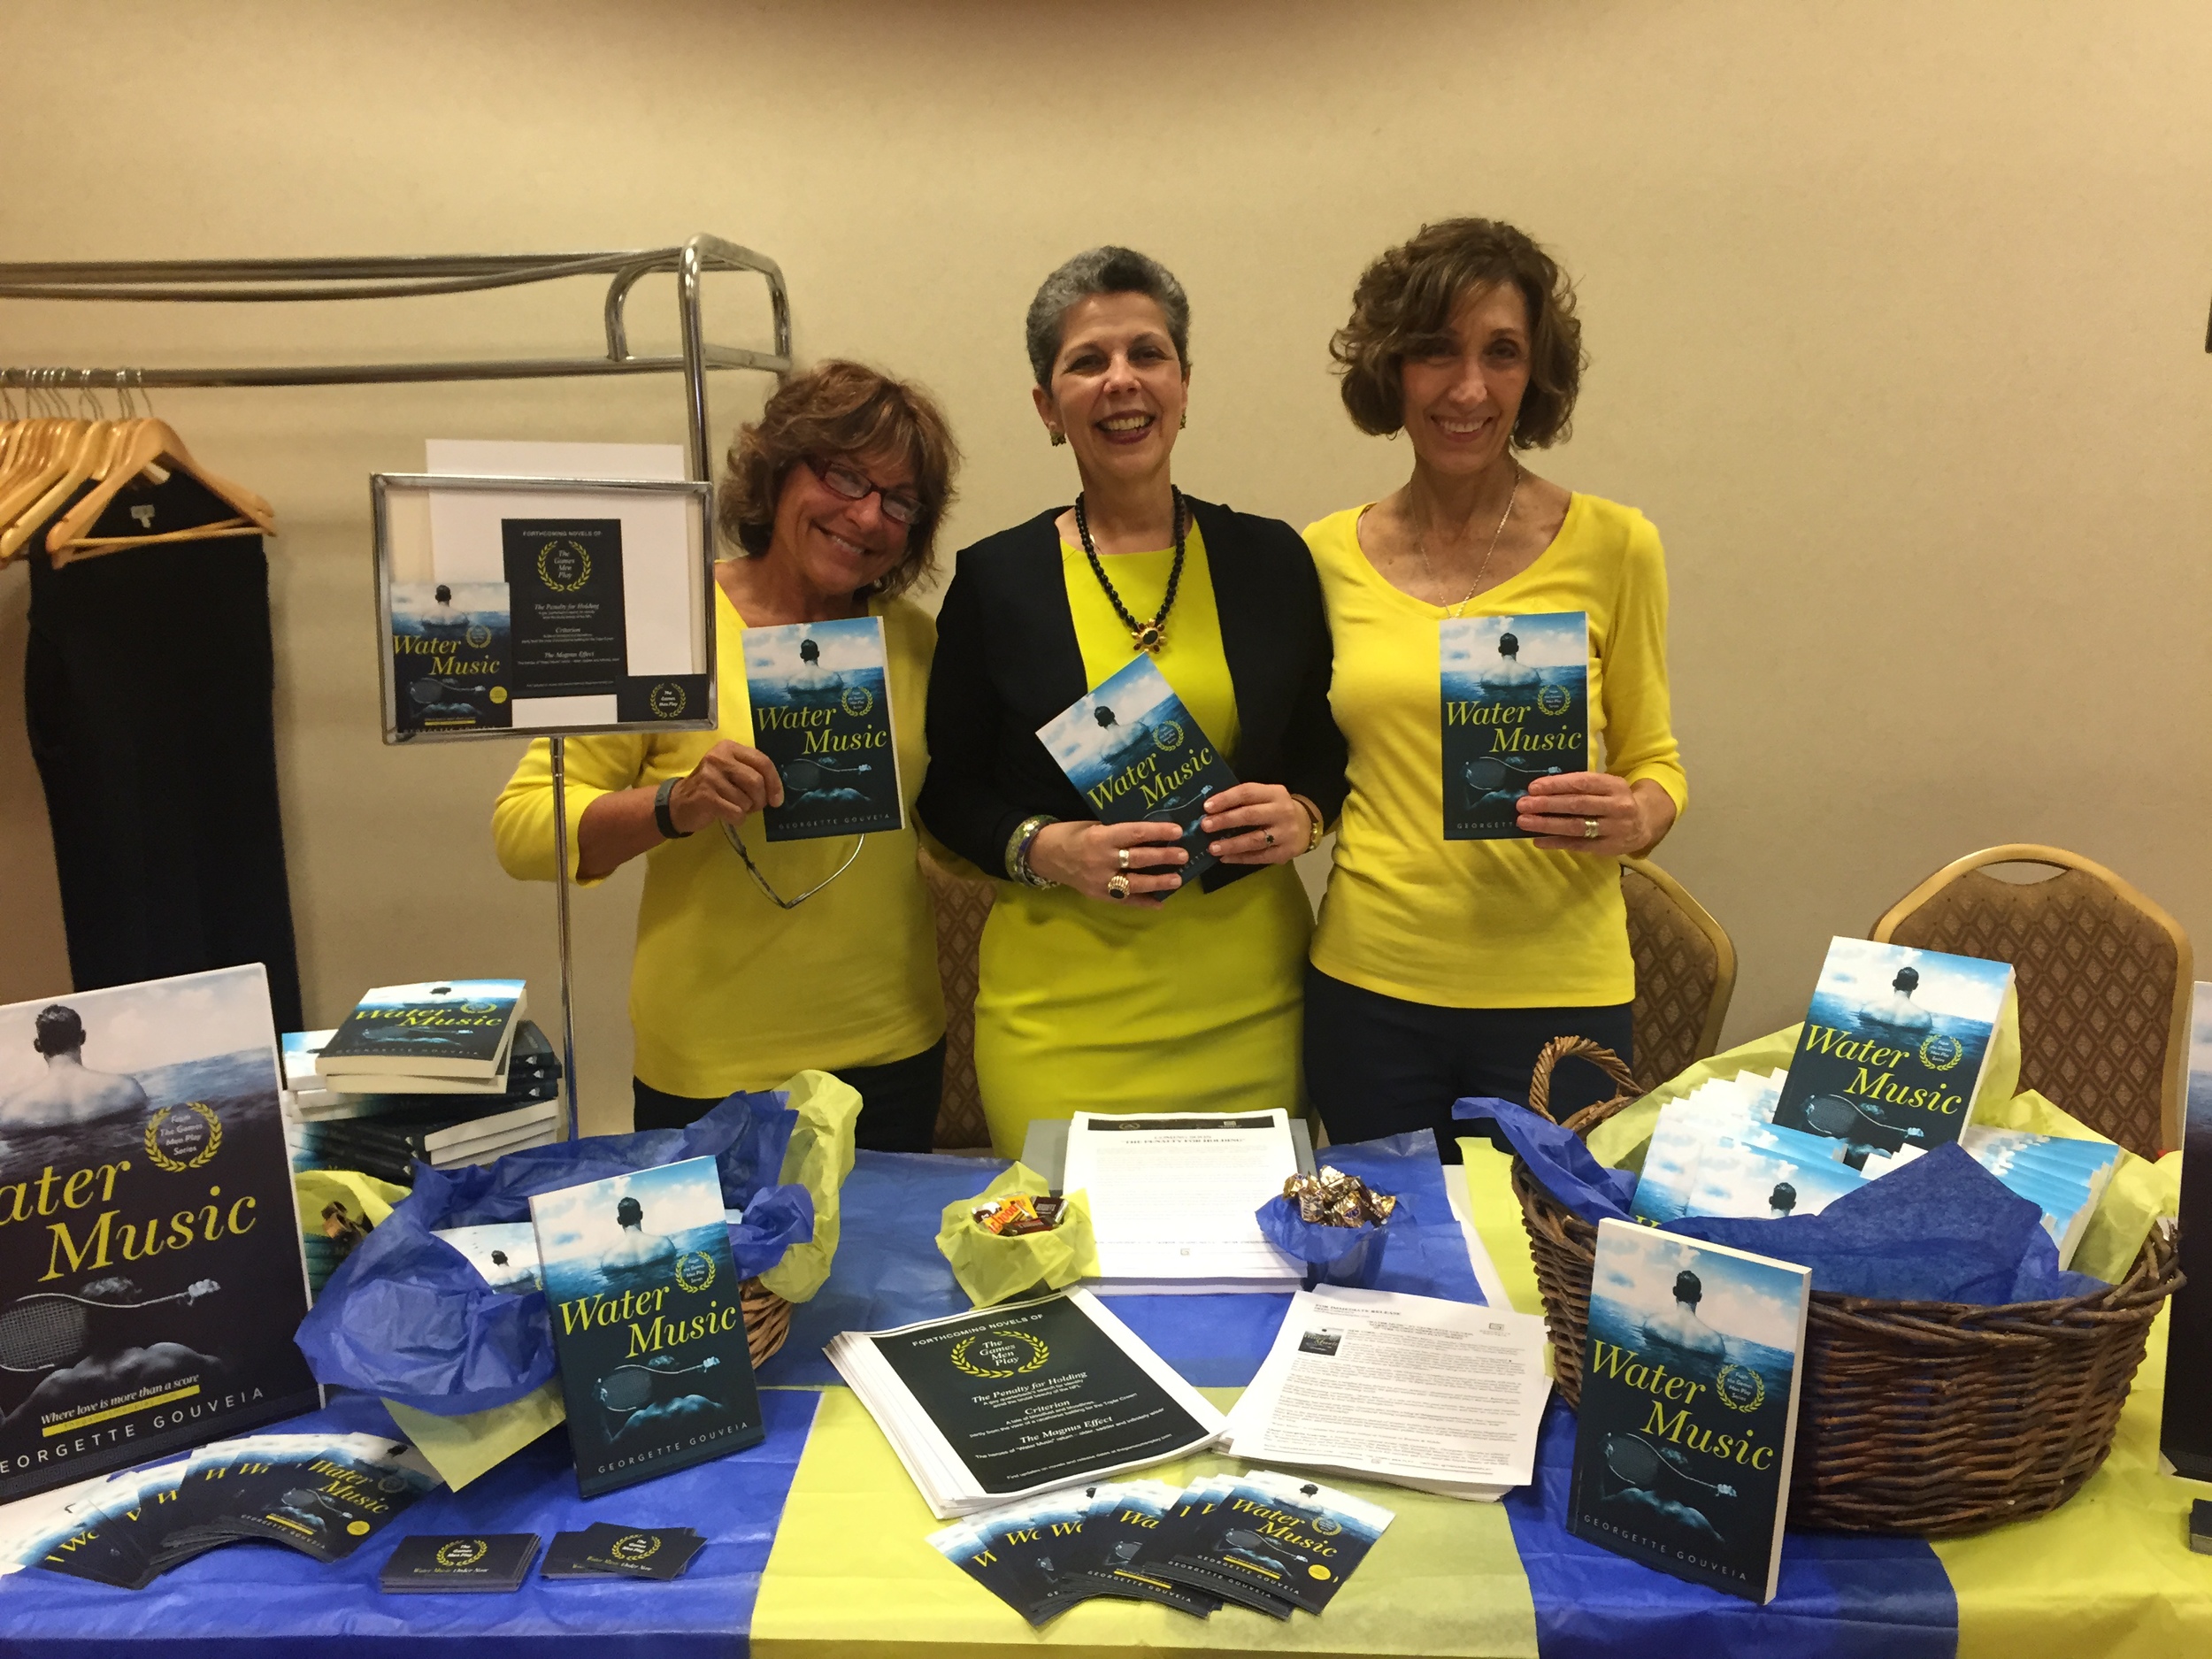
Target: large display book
[
  {"x": 648, "y": 1327},
  {"x": 2186, "y": 1436},
  {"x": 1003, "y": 1401},
  {"x": 450, "y": 1031},
  {"x": 1515, "y": 692},
  {"x": 1133, "y": 750},
  {"x": 1893, "y": 1047},
  {"x": 149, "y": 1253},
  {"x": 1688, "y": 1417},
  {"x": 821, "y": 703}
]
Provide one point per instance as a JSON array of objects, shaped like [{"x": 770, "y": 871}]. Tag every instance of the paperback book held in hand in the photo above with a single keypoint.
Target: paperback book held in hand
[
  {"x": 1135, "y": 753},
  {"x": 449, "y": 657},
  {"x": 151, "y": 1275},
  {"x": 821, "y": 700},
  {"x": 1688, "y": 1420},
  {"x": 648, "y": 1326},
  {"x": 1893, "y": 1047},
  {"x": 1517, "y": 708}
]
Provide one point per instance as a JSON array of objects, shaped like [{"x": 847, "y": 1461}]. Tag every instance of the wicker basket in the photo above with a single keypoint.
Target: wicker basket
[
  {"x": 767, "y": 1319},
  {"x": 1920, "y": 1418}
]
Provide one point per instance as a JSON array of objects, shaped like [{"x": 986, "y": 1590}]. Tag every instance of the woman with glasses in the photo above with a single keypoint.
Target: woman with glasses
[
  {"x": 755, "y": 961},
  {"x": 1104, "y": 984}
]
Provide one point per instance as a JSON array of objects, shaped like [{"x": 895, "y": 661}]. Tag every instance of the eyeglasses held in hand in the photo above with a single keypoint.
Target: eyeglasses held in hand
[
  {"x": 899, "y": 506},
  {"x": 775, "y": 898}
]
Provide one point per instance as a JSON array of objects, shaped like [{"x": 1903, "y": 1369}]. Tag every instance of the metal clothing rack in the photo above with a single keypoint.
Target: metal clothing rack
[{"x": 264, "y": 282}]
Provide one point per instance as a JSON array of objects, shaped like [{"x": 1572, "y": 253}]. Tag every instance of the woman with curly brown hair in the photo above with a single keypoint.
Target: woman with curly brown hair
[
  {"x": 750, "y": 969},
  {"x": 1439, "y": 967}
]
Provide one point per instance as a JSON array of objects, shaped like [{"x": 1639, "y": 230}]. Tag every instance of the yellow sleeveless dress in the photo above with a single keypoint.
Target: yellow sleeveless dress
[{"x": 1086, "y": 1005}]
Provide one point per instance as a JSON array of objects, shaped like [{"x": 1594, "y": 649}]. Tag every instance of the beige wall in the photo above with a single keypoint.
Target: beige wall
[{"x": 1897, "y": 315}]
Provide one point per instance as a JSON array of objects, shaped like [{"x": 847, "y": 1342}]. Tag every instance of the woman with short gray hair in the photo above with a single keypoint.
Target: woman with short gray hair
[{"x": 1102, "y": 985}]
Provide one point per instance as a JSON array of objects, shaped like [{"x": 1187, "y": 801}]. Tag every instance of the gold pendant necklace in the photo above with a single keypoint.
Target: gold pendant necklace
[
  {"x": 1149, "y": 637},
  {"x": 1420, "y": 545}
]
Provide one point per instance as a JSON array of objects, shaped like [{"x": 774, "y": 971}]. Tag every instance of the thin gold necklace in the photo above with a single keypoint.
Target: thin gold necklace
[{"x": 1420, "y": 545}]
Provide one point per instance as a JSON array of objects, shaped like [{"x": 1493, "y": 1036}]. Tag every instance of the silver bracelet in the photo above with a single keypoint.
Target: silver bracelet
[{"x": 1025, "y": 836}]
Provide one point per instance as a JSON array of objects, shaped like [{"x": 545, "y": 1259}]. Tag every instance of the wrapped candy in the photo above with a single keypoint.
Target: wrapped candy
[{"x": 1332, "y": 1198}]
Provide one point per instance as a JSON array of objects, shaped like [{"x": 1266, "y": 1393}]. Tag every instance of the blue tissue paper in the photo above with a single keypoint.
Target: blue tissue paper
[
  {"x": 1940, "y": 1229},
  {"x": 406, "y": 1316},
  {"x": 1557, "y": 1157},
  {"x": 1335, "y": 1255}
]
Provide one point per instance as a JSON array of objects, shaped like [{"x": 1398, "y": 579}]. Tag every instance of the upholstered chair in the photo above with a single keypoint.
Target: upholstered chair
[
  {"x": 1685, "y": 972},
  {"x": 2103, "y": 976}
]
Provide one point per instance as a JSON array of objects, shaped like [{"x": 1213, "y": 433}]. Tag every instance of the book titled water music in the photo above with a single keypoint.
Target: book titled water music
[
  {"x": 1517, "y": 708},
  {"x": 1135, "y": 753},
  {"x": 821, "y": 699},
  {"x": 1688, "y": 1422},
  {"x": 1893, "y": 1048}
]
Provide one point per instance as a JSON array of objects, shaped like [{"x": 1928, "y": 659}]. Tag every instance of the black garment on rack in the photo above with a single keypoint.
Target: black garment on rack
[{"x": 148, "y": 678}]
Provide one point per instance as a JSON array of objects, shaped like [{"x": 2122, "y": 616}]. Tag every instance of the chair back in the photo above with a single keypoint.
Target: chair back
[
  {"x": 1685, "y": 972},
  {"x": 2103, "y": 976},
  {"x": 962, "y": 903}
]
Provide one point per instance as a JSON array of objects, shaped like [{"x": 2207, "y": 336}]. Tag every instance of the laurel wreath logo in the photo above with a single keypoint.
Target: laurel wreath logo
[
  {"x": 667, "y": 700},
  {"x": 1738, "y": 1387},
  {"x": 635, "y": 1547},
  {"x": 463, "y": 1552},
  {"x": 207, "y": 1114},
  {"x": 1168, "y": 734},
  {"x": 478, "y": 637},
  {"x": 569, "y": 554},
  {"x": 695, "y": 1271},
  {"x": 1553, "y": 699},
  {"x": 1936, "y": 1044},
  {"x": 1039, "y": 1354},
  {"x": 857, "y": 701}
]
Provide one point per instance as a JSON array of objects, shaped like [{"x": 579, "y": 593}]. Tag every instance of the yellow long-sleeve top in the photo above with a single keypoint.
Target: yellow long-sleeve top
[
  {"x": 729, "y": 991},
  {"x": 1486, "y": 924}
]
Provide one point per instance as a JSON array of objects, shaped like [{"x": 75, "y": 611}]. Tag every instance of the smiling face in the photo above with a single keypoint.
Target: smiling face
[
  {"x": 838, "y": 546},
  {"x": 1118, "y": 388},
  {"x": 1463, "y": 394}
]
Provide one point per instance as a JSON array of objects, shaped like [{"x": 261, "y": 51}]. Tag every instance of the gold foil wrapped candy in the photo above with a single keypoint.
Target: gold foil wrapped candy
[{"x": 1336, "y": 1200}]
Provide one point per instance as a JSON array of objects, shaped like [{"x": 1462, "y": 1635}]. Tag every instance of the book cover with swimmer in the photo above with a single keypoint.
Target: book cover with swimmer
[
  {"x": 150, "y": 1273},
  {"x": 1516, "y": 708},
  {"x": 1893, "y": 1047},
  {"x": 648, "y": 1326},
  {"x": 821, "y": 700},
  {"x": 1688, "y": 1419},
  {"x": 1134, "y": 752}
]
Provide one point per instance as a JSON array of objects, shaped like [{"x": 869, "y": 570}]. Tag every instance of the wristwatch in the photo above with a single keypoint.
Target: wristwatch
[{"x": 661, "y": 815}]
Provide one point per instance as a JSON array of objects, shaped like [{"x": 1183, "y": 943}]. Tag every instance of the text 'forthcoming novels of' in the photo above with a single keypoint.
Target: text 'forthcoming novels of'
[
  {"x": 1688, "y": 1418},
  {"x": 648, "y": 1323},
  {"x": 1516, "y": 708},
  {"x": 149, "y": 1260}
]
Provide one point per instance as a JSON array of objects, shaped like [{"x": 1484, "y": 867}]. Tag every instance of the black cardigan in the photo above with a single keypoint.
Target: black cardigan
[{"x": 1008, "y": 661}]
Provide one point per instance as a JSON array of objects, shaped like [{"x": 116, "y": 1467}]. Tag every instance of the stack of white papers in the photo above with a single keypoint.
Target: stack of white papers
[
  {"x": 1442, "y": 1396},
  {"x": 992, "y": 1405},
  {"x": 1173, "y": 1199}
]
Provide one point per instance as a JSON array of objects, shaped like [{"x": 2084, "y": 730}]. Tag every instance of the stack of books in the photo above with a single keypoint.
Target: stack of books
[{"x": 442, "y": 1117}]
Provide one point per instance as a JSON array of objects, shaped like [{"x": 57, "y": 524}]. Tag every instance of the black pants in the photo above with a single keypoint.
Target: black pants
[
  {"x": 1377, "y": 1066},
  {"x": 898, "y": 1102}
]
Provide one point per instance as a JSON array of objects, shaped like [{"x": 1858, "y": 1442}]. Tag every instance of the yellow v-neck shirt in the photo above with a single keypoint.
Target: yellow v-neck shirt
[
  {"x": 1086, "y": 1005},
  {"x": 727, "y": 991},
  {"x": 1486, "y": 924}
]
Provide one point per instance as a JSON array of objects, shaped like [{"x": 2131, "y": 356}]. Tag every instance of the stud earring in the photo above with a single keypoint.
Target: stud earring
[
  {"x": 1183, "y": 421},
  {"x": 1059, "y": 439}
]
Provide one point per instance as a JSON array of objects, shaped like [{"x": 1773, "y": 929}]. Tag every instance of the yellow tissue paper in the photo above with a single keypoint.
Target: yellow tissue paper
[
  {"x": 361, "y": 1194},
  {"x": 461, "y": 1448},
  {"x": 992, "y": 1268},
  {"x": 819, "y": 1158}
]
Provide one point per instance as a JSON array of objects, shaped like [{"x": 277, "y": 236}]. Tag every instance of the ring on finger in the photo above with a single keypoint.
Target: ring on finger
[
  {"x": 1121, "y": 858},
  {"x": 1118, "y": 887},
  {"x": 1270, "y": 837},
  {"x": 1590, "y": 829}
]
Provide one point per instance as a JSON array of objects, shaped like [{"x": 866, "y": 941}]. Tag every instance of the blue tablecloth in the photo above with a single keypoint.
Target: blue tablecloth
[{"x": 260, "y": 1601}]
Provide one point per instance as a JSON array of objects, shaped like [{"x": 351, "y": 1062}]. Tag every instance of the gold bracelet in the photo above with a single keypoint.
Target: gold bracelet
[{"x": 1313, "y": 812}]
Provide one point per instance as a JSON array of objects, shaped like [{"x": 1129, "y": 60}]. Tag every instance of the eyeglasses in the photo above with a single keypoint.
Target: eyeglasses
[
  {"x": 760, "y": 881},
  {"x": 899, "y": 506}
]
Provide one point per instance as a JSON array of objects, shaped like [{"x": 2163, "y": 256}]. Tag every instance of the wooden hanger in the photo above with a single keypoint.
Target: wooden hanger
[
  {"x": 87, "y": 449},
  {"x": 44, "y": 456},
  {"x": 148, "y": 444}
]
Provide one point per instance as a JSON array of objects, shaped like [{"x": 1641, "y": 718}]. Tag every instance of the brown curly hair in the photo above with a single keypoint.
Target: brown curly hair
[
  {"x": 1404, "y": 302},
  {"x": 840, "y": 410}
]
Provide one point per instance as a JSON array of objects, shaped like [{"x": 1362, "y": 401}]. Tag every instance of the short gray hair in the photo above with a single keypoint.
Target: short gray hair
[{"x": 1106, "y": 270}]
